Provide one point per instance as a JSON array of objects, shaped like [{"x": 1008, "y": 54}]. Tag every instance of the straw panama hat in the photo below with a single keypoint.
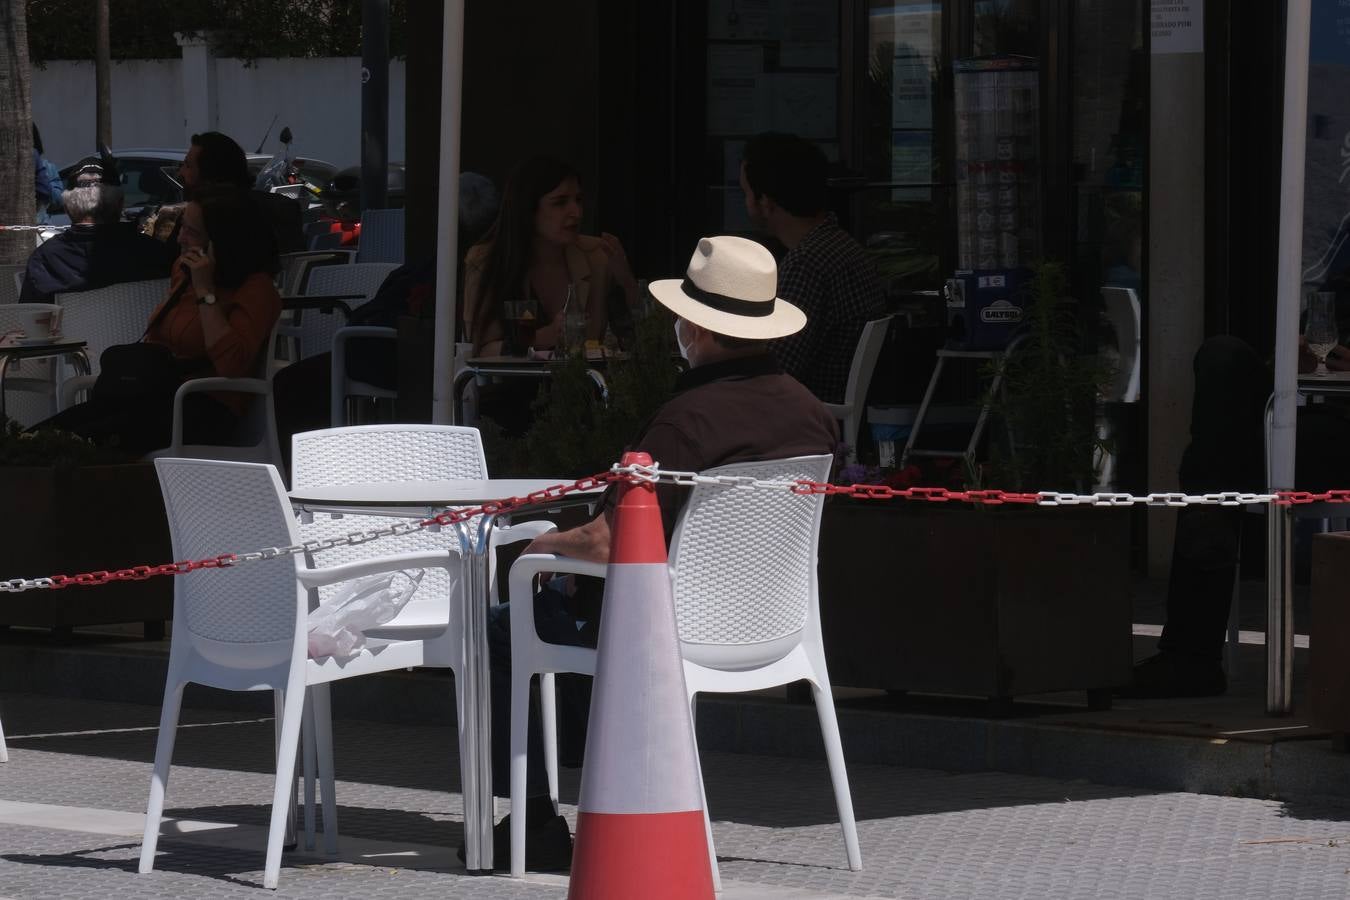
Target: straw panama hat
[{"x": 730, "y": 288}]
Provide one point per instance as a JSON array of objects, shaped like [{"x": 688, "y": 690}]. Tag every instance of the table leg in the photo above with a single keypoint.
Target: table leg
[
  {"x": 476, "y": 717},
  {"x": 1279, "y": 612},
  {"x": 4, "y": 368}
]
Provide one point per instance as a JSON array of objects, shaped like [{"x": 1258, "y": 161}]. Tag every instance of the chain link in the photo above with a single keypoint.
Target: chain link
[
  {"x": 654, "y": 474},
  {"x": 452, "y": 516},
  {"x": 34, "y": 227}
]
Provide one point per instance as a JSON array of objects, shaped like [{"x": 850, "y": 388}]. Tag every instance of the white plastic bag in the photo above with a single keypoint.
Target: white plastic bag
[{"x": 337, "y": 628}]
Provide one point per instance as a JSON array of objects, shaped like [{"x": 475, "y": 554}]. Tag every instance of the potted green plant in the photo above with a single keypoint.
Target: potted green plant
[
  {"x": 993, "y": 601},
  {"x": 78, "y": 507},
  {"x": 575, "y": 431}
]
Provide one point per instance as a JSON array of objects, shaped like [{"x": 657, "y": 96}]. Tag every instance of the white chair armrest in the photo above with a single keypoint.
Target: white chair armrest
[
  {"x": 521, "y": 582},
  {"x": 313, "y": 578},
  {"x": 511, "y": 534},
  {"x": 839, "y": 410},
  {"x": 203, "y": 385},
  {"x": 522, "y": 603},
  {"x": 525, "y": 531},
  {"x": 74, "y": 385},
  {"x": 339, "y": 360}
]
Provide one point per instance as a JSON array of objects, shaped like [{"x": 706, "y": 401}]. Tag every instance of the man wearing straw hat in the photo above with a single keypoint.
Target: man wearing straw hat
[{"x": 734, "y": 404}]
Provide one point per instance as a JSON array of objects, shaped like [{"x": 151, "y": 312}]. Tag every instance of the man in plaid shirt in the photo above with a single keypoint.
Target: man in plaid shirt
[{"x": 825, "y": 272}]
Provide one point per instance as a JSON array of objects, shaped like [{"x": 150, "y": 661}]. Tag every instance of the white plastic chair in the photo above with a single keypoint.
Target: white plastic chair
[
  {"x": 850, "y": 412},
  {"x": 11, "y": 281},
  {"x": 381, "y": 236},
  {"x": 257, "y": 428},
  {"x": 295, "y": 267},
  {"x": 344, "y": 387},
  {"x": 117, "y": 314},
  {"x": 315, "y": 332},
  {"x": 244, "y": 628},
  {"x": 743, "y": 575},
  {"x": 396, "y": 453},
  {"x": 34, "y": 380}
]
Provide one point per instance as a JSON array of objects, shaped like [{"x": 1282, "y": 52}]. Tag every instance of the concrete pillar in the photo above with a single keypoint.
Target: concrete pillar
[
  {"x": 199, "y": 85},
  {"x": 1176, "y": 274}
]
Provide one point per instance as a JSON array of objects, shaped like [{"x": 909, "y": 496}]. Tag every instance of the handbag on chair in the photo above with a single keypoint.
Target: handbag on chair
[{"x": 142, "y": 371}]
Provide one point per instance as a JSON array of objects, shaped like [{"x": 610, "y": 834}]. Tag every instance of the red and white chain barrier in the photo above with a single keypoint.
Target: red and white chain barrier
[{"x": 655, "y": 474}]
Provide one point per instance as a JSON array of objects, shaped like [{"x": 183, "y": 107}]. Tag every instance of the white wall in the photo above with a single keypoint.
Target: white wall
[
  {"x": 320, "y": 99},
  {"x": 147, "y": 106}
]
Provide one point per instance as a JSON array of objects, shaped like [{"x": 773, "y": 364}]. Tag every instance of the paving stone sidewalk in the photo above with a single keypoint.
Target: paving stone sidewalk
[{"x": 72, "y": 795}]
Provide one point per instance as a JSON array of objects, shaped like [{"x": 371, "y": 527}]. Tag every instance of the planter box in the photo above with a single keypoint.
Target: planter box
[
  {"x": 988, "y": 602},
  {"x": 1329, "y": 638},
  {"x": 84, "y": 519}
]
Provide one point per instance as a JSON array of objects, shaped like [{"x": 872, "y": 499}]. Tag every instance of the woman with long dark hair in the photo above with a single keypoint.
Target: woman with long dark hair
[
  {"x": 517, "y": 281},
  {"x": 220, "y": 310}
]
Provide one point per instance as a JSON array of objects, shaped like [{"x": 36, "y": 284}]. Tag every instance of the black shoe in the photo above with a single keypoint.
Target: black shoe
[
  {"x": 1176, "y": 675},
  {"x": 548, "y": 845}
]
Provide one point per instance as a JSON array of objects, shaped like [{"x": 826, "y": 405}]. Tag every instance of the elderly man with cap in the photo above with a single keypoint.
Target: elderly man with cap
[
  {"x": 97, "y": 250},
  {"x": 734, "y": 404}
]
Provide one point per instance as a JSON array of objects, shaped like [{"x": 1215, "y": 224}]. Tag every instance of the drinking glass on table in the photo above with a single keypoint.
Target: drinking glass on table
[
  {"x": 520, "y": 318},
  {"x": 1321, "y": 332}
]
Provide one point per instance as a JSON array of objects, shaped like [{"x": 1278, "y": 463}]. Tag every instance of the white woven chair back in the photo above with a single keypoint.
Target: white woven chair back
[
  {"x": 295, "y": 267},
  {"x": 386, "y": 453},
  {"x": 362, "y": 279},
  {"x": 30, "y": 385},
  {"x": 11, "y": 277},
  {"x": 117, "y": 314},
  {"x": 383, "y": 453},
  {"x": 381, "y": 236},
  {"x": 744, "y": 558},
  {"x": 216, "y": 507}
]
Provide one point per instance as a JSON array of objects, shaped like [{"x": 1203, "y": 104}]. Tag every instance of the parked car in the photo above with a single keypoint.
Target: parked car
[{"x": 149, "y": 176}]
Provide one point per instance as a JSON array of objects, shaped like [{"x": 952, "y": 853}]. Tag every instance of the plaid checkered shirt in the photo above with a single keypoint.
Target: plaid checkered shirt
[{"x": 832, "y": 279}]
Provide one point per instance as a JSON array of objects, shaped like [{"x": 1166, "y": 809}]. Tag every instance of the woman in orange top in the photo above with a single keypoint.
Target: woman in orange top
[{"x": 221, "y": 308}]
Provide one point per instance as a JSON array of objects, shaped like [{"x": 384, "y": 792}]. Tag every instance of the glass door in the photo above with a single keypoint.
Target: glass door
[
  {"x": 902, "y": 211},
  {"x": 772, "y": 65}
]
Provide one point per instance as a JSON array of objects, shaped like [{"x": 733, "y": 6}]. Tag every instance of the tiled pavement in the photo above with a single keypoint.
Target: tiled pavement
[{"x": 73, "y": 790}]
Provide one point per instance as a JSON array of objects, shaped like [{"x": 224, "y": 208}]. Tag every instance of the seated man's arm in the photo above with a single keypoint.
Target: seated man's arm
[{"x": 589, "y": 542}]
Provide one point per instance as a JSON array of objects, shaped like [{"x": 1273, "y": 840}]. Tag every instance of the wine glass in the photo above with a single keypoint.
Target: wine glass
[{"x": 1320, "y": 331}]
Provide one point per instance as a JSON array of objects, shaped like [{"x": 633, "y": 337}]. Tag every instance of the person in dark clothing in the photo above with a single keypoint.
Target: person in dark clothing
[
  {"x": 1226, "y": 453},
  {"x": 97, "y": 250},
  {"x": 825, "y": 272},
  {"x": 216, "y": 159},
  {"x": 734, "y": 404}
]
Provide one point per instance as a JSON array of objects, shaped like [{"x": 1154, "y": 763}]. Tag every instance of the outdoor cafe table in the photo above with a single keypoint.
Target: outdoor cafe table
[
  {"x": 425, "y": 499},
  {"x": 70, "y": 349},
  {"x": 516, "y": 367}
]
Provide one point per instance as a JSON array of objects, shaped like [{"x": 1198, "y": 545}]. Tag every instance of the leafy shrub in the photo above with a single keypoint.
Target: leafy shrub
[{"x": 54, "y": 448}]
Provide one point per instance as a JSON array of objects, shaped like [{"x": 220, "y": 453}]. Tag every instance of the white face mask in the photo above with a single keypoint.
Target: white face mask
[{"x": 679, "y": 340}]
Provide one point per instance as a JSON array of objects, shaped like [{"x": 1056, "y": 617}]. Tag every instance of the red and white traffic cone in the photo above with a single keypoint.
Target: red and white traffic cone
[{"x": 640, "y": 830}]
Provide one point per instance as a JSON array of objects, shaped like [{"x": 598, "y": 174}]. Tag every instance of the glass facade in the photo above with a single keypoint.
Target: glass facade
[{"x": 902, "y": 212}]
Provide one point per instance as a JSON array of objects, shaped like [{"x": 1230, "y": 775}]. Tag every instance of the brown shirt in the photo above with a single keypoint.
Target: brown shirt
[{"x": 737, "y": 410}]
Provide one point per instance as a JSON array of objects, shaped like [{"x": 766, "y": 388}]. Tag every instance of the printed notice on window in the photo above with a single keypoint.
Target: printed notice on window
[{"x": 1178, "y": 26}]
